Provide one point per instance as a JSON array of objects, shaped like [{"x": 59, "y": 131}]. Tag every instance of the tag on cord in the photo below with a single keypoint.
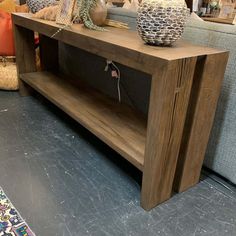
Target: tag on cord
[
  {"x": 114, "y": 73},
  {"x": 108, "y": 65}
]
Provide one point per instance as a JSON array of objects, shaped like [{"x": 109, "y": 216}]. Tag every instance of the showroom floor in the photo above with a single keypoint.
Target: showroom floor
[{"x": 64, "y": 181}]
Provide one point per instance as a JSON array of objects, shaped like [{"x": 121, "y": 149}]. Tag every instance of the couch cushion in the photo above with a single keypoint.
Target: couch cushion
[
  {"x": 124, "y": 15},
  {"x": 221, "y": 152}
]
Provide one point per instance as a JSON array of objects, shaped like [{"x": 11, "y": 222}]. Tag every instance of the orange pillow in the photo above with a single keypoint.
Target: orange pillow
[{"x": 6, "y": 35}]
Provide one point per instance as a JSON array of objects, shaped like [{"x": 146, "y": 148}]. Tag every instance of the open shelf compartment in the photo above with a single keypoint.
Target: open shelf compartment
[{"x": 118, "y": 125}]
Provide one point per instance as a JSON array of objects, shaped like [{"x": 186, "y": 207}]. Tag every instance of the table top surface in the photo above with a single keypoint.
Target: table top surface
[{"x": 123, "y": 38}]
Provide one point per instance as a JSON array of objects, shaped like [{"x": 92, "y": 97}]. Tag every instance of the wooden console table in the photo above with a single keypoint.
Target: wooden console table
[{"x": 186, "y": 81}]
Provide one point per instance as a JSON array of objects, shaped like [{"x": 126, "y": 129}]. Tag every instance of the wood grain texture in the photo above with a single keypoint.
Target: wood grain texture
[
  {"x": 153, "y": 148},
  {"x": 116, "y": 124},
  {"x": 120, "y": 45},
  {"x": 48, "y": 53},
  {"x": 168, "y": 106},
  {"x": 25, "y": 55},
  {"x": 203, "y": 102}
]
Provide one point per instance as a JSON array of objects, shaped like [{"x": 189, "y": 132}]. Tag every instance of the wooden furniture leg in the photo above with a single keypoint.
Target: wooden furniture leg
[
  {"x": 203, "y": 102},
  {"x": 25, "y": 55},
  {"x": 169, "y": 98},
  {"x": 48, "y": 53}
]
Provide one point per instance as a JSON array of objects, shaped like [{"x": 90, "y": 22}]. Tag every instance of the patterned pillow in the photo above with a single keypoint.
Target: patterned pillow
[{"x": 36, "y": 5}]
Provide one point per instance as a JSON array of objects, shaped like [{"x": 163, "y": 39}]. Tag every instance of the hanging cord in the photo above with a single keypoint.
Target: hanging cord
[
  {"x": 115, "y": 72},
  {"x": 65, "y": 26},
  {"x": 118, "y": 80}
]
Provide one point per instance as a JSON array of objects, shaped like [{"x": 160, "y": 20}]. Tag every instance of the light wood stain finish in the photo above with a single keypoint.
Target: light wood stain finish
[
  {"x": 168, "y": 105},
  {"x": 25, "y": 55},
  {"x": 181, "y": 79},
  {"x": 205, "y": 93},
  {"x": 116, "y": 124}
]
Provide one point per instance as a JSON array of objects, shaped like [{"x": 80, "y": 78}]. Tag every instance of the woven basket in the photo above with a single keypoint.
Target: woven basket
[{"x": 8, "y": 74}]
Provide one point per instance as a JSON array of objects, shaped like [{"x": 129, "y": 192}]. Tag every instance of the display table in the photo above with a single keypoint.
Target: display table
[{"x": 186, "y": 81}]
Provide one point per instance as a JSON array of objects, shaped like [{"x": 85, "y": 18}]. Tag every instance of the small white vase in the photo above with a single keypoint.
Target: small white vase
[{"x": 161, "y": 22}]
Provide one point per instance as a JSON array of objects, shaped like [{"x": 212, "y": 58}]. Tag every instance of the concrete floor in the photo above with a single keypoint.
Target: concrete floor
[{"x": 64, "y": 181}]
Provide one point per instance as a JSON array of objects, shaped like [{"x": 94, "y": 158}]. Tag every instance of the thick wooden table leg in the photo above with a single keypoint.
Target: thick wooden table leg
[
  {"x": 48, "y": 53},
  {"x": 169, "y": 98},
  {"x": 203, "y": 102},
  {"x": 25, "y": 55}
]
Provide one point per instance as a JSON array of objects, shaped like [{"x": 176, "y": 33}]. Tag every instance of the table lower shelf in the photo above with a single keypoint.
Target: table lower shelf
[{"x": 118, "y": 125}]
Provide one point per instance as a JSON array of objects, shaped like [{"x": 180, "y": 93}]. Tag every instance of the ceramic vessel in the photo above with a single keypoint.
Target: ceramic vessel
[
  {"x": 99, "y": 13},
  {"x": 161, "y": 22}
]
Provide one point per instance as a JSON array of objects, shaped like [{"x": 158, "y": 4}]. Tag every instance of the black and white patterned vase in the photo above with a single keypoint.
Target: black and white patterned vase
[
  {"x": 161, "y": 22},
  {"x": 37, "y": 5}
]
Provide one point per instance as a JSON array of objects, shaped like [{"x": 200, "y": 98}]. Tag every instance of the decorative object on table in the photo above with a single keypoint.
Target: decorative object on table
[
  {"x": 109, "y": 4},
  {"x": 50, "y": 13},
  {"x": 116, "y": 24},
  {"x": 11, "y": 222},
  {"x": 65, "y": 12},
  {"x": 134, "y": 5},
  {"x": 203, "y": 11},
  {"x": 127, "y": 4},
  {"x": 161, "y": 22},
  {"x": 227, "y": 11},
  {"x": 131, "y": 5},
  {"x": 22, "y": 8},
  {"x": 222, "y": 11},
  {"x": 118, "y": 3},
  {"x": 98, "y": 13},
  {"x": 214, "y": 8},
  {"x": 85, "y": 8},
  {"x": 75, "y": 15},
  {"x": 36, "y": 5},
  {"x": 47, "y": 13},
  {"x": 231, "y": 21}
]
